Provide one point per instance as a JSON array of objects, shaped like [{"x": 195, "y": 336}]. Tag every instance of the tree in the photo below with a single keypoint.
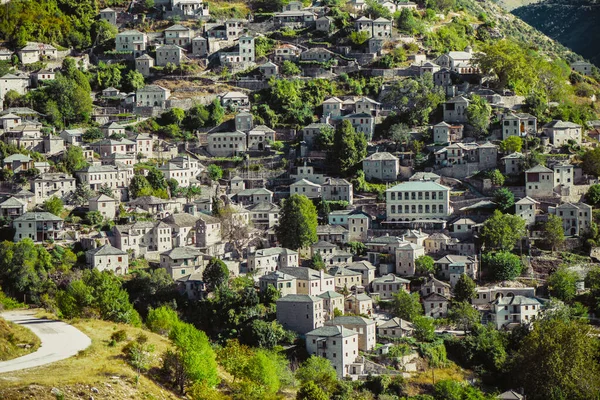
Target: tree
[
  {"x": 563, "y": 284},
  {"x": 54, "y": 205},
  {"x": 92, "y": 135},
  {"x": 593, "y": 195},
  {"x": 424, "y": 265},
  {"x": 318, "y": 370},
  {"x": 591, "y": 162},
  {"x": 290, "y": 69},
  {"x": 93, "y": 218},
  {"x": 216, "y": 274},
  {"x": 479, "y": 113},
  {"x": 504, "y": 198},
  {"x": 317, "y": 262},
  {"x": 216, "y": 112},
  {"x": 325, "y": 138},
  {"x": 424, "y": 328},
  {"x": 511, "y": 144},
  {"x": 139, "y": 354},
  {"x": 502, "y": 231},
  {"x": 103, "y": 31},
  {"x": 297, "y": 223},
  {"x": 400, "y": 133},
  {"x": 349, "y": 147},
  {"x": 12, "y": 98},
  {"x": 161, "y": 320},
  {"x": 464, "y": 315},
  {"x": 464, "y": 289},
  {"x": 406, "y": 305},
  {"x": 139, "y": 186},
  {"x": 554, "y": 233},
  {"x": 557, "y": 360},
  {"x": 215, "y": 172},
  {"x": 81, "y": 195},
  {"x": 134, "y": 80},
  {"x": 235, "y": 229},
  {"x": 495, "y": 176},
  {"x": 406, "y": 22},
  {"x": 74, "y": 160},
  {"x": 156, "y": 179},
  {"x": 310, "y": 391},
  {"x": 416, "y": 98},
  {"x": 105, "y": 190},
  {"x": 173, "y": 116},
  {"x": 193, "y": 360},
  {"x": 503, "y": 265},
  {"x": 359, "y": 37}
]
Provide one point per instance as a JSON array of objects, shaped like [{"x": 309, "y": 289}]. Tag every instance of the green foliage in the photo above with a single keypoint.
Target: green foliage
[
  {"x": 172, "y": 116},
  {"x": 318, "y": 370},
  {"x": 464, "y": 289},
  {"x": 454, "y": 390},
  {"x": 456, "y": 35},
  {"x": 93, "y": 218},
  {"x": 263, "y": 46},
  {"x": 357, "y": 248},
  {"x": 7, "y": 303},
  {"x": 554, "y": 234},
  {"x": 349, "y": 147},
  {"x": 557, "y": 360},
  {"x": 464, "y": 315},
  {"x": 416, "y": 98},
  {"x": 504, "y": 198},
  {"x": 563, "y": 284},
  {"x": 162, "y": 320},
  {"x": 424, "y": 265},
  {"x": 119, "y": 336},
  {"x": 139, "y": 186},
  {"x": 290, "y": 69},
  {"x": 502, "y": 231},
  {"x": 92, "y": 135},
  {"x": 591, "y": 162},
  {"x": 216, "y": 274},
  {"x": 217, "y": 113},
  {"x": 502, "y": 265},
  {"x": 479, "y": 113},
  {"x": 511, "y": 144},
  {"x": 317, "y": 262},
  {"x": 156, "y": 179},
  {"x": 215, "y": 172},
  {"x": 298, "y": 212},
  {"x": 53, "y": 205},
  {"x": 424, "y": 328},
  {"x": 74, "y": 160},
  {"x": 310, "y": 391},
  {"x": 196, "y": 117},
  {"x": 495, "y": 176},
  {"x": 406, "y": 305},
  {"x": 359, "y": 37},
  {"x": 407, "y": 23},
  {"x": 592, "y": 196}
]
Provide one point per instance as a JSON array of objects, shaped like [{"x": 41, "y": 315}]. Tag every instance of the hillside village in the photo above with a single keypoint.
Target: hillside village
[{"x": 375, "y": 186}]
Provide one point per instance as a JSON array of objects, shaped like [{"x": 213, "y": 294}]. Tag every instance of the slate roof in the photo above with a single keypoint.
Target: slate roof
[
  {"x": 179, "y": 253},
  {"x": 107, "y": 250},
  {"x": 304, "y": 273}
]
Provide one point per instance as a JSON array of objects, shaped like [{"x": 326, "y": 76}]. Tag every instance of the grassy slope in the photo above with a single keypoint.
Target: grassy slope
[
  {"x": 99, "y": 366},
  {"x": 13, "y": 335}
]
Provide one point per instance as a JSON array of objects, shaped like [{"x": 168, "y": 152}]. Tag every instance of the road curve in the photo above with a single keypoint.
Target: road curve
[{"x": 59, "y": 341}]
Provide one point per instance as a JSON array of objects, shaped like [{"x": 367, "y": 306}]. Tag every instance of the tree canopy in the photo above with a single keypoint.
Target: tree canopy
[
  {"x": 297, "y": 223},
  {"x": 502, "y": 231}
]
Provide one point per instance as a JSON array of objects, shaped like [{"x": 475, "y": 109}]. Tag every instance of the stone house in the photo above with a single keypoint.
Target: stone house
[
  {"x": 518, "y": 124},
  {"x": 345, "y": 278},
  {"x": 395, "y": 328},
  {"x": 284, "y": 283},
  {"x": 513, "y": 163},
  {"x": 332, "y": 301},
  {"x": 183, "y": 227},
  {"x": 178, "y": 35},
  {"x": 12, "y": 208},
  {"x": 17, "y": 162},
  {"x": 337, "y": 189},
  {"x": 487, "y": 294},
  {"x": 584, "y": 68},
  {"x": 337, "y": 344},
  {"x": 332, "y": 233},
  {"x": 386, "y": 286},
  {"x": 264, "y": 215},
  {"x": 559, "y": 133},
  {"x": 143, "y": 64},
  {"x": 359, "y": 304},
  {"x": 264, "y": 261},
  {"x": 131, "y": 41},
  {"x": 435, "y": 305},
  {"x": 152, "y": 96},
  {"x": 226, "y": 144},
  {"x": 310, "y": 281},
  {"x": 455, "y": 109},
  {"x": 510, "y": 311},
  {"x": 34, "y": 52},
  {"x": 417, "y": 200},
  {"x": 169, "y": 53},
  {"x": 300, "y": 313},
  {"x": 366, "y": 269},
  {"x": 434, "y": 285},
  {"x": 317, "y": 54},
  {"x": 312, "y": 131},
  {"x": 539, "y": 182},
  {"x": 182, "y": 261},
  {"x": 254, "y": 196},
  {"x": 208, "y": 234},
  {"x": 199, "y": 46},
  {"x": 286, "y": 52},
  {"x": 307, "y": 188},
  {"x": 109, "y": 15},
  {"x": 17, "y": 82},
  {"x": 142, "y": 237},
  {"x": 577, "y": 218},
  {"x": 450, "y": 267},
  {"x": 37, "y": 226},
  {"x": 526, "y": 208},
  {"x": 105, "y": 205},
  {"x": 381, "y": 166},
  {"x": 324, "y": 24},
  {"x": 268, "y": 69},
  {"x": 259, "y": 137},
  {"x": 108, "y": 258},
  {"x": 406, "y": 254},
  {"x": 364, "y": 327},
  {"x": 235, "y": 100},
  {"x": 446, "y": 133},
  {"x": 47, "y": 185}
]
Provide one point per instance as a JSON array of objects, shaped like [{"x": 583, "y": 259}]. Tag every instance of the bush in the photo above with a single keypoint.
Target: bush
[{"x": 119, "y": 336}]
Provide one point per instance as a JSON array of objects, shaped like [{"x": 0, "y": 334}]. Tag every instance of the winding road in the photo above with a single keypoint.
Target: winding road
[{"x": 59, "y": 341}]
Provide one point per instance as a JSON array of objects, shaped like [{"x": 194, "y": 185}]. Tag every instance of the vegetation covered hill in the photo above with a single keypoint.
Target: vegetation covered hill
[
  {"x": 16, "y": 341},
  {"x": 574, "y": 24}
]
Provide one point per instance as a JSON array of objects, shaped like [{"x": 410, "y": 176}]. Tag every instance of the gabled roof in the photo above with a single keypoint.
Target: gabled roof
[
  {"x": 390, "y": 278},
  {"x": 558, "y": 124},
  {"x": 361, "y": 266},
  {"x": 179, "y": 253},
  {"x": 37, "y": 216},
  {"x": 397, "y": 323},
  {"x": 177, "y": 27},
  {"x": 527, "y": 200},
  {"x": 350, "y": 320},
  {"x": 305, "y": 182},
  {"x": 103, "y": 197},
  {"x": 417, "y": 186},
  {"x": 304, "y": 273},
  {"x": 539, "y": 168},
  {"x": 275, "y": 251},
  {"x": 181, "y": 220},
  {"x": 277, "y": 276},
  {"x": 384, "y": 155},
  {"x": 435, "y": 297},
  {"x": 330, "y": 294},
  {"x": 516, "y": 300},
  {"x": 299, "y": 298},
  {"x": 332, "y": 331},
  {"x": 107, "y": 250}
]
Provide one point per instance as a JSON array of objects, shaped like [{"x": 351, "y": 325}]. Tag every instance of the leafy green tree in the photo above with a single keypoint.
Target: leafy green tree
[
  {"x": 554, "y": 233},
  {"x": 161, "y": 320},
  {"x": 502, "y": 231},
  {"x": 318, "y": 370},
  {"x": 406, "y": 305},
  {"x": 24, "y": 269},
  {"x": 464, "y": 315},
  {"x": 173, "y": 116},
  {"x": 74, "y": 160},
  {"x": 217, "y": 113},
  {"x": 557, "y": 360},
  {"x": 464, "y": 289},
  {"x": 511, "y": 144},
  {"x": 216, "y": 274},
  {"x": 156, "y": 179},
  {"x": 503, "y": 265},
  {"x": 317, "y": 262},
  {"x": 12, "y": 98},
  {"x": 92, "y": 135},
  {"x": 400, "y": 134},
  {"x": 416, "y": 98},
  {"x": 297, "y": 223},
  {"x": 103, "y": 31},
  {"x": 215, "y": 172},
  {"x": 495, "y": 176},
  {"x": 424, "y": 265},
  {"x": 359, "y": 37},
  {"x": 424, "y": 328},
  {"x": 139, "y": 354},
  {"x": 406, "y": 22},
  {"x": 196, "y": 117},
  {"x": 310, "y": 391},
  {"x": 54, "y": 205},
  {"x": 504, "y": 198},
  {"x": 93, "y": 218},
  {"x": 262, "y": 369},
  {"x": 591, "y": 162},
  {"x": 325, "y": 139},
  {"x": 593, "y": 195},
  {"x": 139, "y": 186},
  {"x": 134, "y": 80},
  {"x": 193, "y": 359},
  {"x": 290, "y": 69},
  {"x": 479, "y": 113},
  {"x": 81, "y": 195},
  {"x": 563, "y": 284},
  {"x": 349, "y": 148}
]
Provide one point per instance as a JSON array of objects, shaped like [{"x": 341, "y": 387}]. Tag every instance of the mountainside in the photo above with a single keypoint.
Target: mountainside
[{"x": 573, "y": 24}]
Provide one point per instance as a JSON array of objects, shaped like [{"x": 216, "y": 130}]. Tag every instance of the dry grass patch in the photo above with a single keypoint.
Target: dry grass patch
[
  {"x": 16, "y": 340},
  {"x": 422, "y": 382}
]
